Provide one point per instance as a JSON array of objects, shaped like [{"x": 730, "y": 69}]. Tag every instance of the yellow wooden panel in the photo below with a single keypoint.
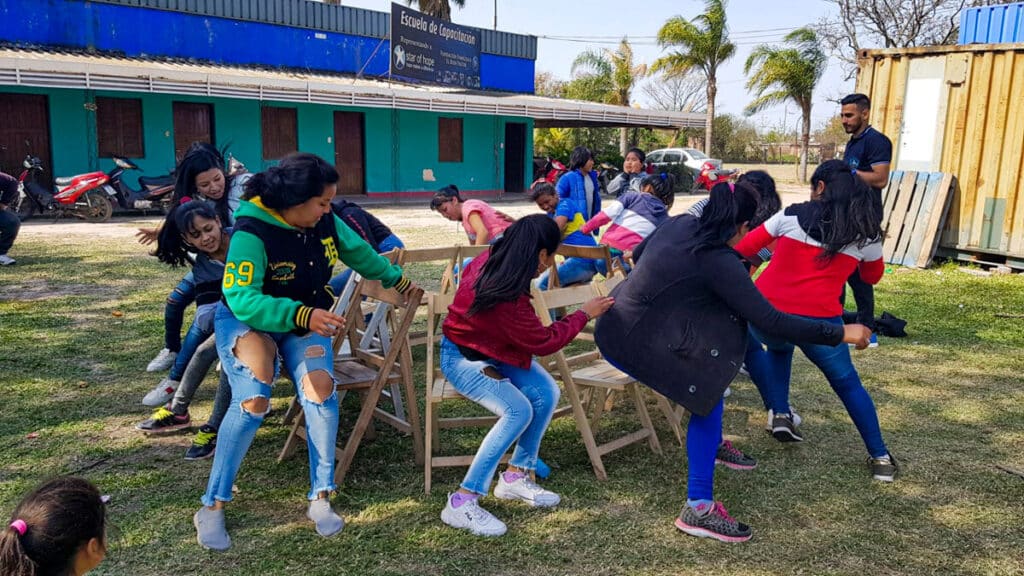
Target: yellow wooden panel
[
  {"x": 1009, "y": 183},
  {"x": 953, "y": 140},
  {"x": 977, "y": 110},
  {"x": 893, "y": 113}
]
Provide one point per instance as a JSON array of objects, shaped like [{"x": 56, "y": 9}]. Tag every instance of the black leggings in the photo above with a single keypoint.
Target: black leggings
[
  {"x": 864, "y": 296},
  {"x": 9, "y": 225}
]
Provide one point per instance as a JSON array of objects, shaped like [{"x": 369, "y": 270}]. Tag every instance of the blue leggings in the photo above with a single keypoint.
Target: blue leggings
[
  {"x": 837, "y": 366},
  {"x": 703, "y": 436}
]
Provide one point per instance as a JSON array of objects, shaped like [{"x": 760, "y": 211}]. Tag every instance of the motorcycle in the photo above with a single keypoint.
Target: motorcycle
[
  {"x": 547, "y": 169},
  {"x": 153, "y": 193},
  {"x": 709, "y": 175},
  {"x": 605, "y": 174},
  {"x": 81, "y": 196}
]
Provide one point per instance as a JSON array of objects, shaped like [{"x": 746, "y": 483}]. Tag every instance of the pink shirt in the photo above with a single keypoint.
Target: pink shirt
[{"x": 495, "y": 224}]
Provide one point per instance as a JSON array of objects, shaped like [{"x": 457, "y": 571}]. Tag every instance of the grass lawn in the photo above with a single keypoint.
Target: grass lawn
[{"x": 949, "y": 398}]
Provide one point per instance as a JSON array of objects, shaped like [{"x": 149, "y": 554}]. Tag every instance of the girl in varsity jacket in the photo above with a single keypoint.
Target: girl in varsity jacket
[{"x": 276, "y": 305}]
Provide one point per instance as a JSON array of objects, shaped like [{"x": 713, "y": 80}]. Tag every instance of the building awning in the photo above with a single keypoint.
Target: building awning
[{"x": 49, "y": 69}]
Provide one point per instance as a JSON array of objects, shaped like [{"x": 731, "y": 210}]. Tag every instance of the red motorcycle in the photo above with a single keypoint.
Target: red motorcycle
[
  {"x": 547, "y": 169},
  {"x": 81, "y": 196},
  {"x": 710, "y": 175}
]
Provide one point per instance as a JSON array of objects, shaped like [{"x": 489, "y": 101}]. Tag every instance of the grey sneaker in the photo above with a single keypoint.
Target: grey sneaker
[
  {"x": 712, "y": 521},
  {"x": 731, "y": 457},
  {"x": 163, "y": 361},
  {"x": 784, "y": 430},
  {"x": 327, "y": 521},
  {"x": 797, "y": 420},
  {"x": 884, "y": 469},
  {"x": 6, "y": 260},
  {"x": 161, "y": 394},
  {"x": 210, "y": 531}
]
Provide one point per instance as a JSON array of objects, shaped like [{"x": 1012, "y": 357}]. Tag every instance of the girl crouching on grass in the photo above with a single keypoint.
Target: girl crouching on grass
[
  {"x": 680, "y": 326},
  {"x": 191, "y": 227},
  {"x": 490, "y": 337},
  {"x": 276, "y": 301},
  {"x": 57, "y": 530}
]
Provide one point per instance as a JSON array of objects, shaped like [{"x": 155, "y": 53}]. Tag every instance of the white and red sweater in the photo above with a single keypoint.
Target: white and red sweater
[{"x": 797, "y": 281}]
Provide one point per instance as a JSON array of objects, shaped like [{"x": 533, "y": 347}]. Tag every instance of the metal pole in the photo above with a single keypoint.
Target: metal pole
[{"x": 495, "y": 14}]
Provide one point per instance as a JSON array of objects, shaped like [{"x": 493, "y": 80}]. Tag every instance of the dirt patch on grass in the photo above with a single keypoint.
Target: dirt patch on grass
[{"x": 41, "y": 289}]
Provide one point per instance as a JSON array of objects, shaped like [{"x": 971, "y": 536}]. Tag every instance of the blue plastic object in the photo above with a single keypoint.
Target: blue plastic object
[{"x": 992, "y": 24}]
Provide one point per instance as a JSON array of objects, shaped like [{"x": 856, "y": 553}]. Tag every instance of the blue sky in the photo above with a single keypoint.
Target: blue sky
[{"x": 751, "y": 22}]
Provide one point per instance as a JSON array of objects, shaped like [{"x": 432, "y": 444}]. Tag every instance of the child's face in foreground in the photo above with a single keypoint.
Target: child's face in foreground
[
  {"x": 205, "y": 235},
  {"x": 548, "y": 203}
]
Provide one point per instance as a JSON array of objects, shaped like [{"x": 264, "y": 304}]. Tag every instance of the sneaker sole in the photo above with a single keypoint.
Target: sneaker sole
[
  {"x": 165, "y": 430},
  {"x": 195, "y": 458},
  {"x": 533, "y": 503},
  {"x": 882, "y": 478},
  {"x": 704, "y": 533},
  {"x": 783, "y": 434},
  {"x": 468, "y": 528},
  {"x": 735, "y": 466},
  {"x": 162, "y": 401}
]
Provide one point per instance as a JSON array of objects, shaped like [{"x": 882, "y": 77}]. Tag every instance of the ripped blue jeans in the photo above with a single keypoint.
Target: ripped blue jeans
[
  {"x": 301, "y": 355},
  {"x": 524, "y": 401}
]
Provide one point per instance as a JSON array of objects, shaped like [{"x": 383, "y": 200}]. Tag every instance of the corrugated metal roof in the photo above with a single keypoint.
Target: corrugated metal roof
[
  {"x": 327, "y": 17},
  {"x": 51, "y": 69},
  {"x": 992, "y": 24}
]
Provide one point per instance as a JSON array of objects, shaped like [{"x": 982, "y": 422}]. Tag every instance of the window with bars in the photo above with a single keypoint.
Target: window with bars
[
  {"x": 449, "y": 139},
  {"x": 280, "y": 132},
  {"x": 119, "y": 127}
]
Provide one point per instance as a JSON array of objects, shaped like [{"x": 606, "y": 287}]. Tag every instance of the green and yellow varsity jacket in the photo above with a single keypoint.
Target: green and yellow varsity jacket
[{"x": 276, "y": 274}]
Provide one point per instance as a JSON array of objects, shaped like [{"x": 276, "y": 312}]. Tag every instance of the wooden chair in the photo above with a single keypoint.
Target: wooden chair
[
  {"x": 369, "y": 370},
  {"x": 587, "y": 375},
  {"x": 450, "y": 258},
  {"x": 599, "y": 252},
  {"x": 439, "y": 390}
]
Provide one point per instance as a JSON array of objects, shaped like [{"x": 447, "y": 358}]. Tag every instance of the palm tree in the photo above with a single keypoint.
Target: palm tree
[
  {"x": 788, "y": 73},
  {"x": 615, "y": 74},
  {"x": 702, "y": 44},
  {"x": 441, "y": 9}
]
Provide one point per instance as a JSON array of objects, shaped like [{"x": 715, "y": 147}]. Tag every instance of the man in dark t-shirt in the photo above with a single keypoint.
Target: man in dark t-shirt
[
  {"x": 9, "y": 221},
  {"x": 869, "y": 154}
]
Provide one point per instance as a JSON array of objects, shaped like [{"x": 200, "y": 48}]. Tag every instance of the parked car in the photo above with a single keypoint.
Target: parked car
[{"x": 690, "y": 157}]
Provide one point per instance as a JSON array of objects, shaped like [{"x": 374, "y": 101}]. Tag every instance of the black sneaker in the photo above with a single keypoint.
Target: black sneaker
[
  {"x": 712, "y": 521},
  {"x": 884, "y": 469},
  {"x": 731, "y": 457},
  {"x": 785, "y": 430},
  {"x": 204, "y": 444},
  {"x": 163, "y": 421}
]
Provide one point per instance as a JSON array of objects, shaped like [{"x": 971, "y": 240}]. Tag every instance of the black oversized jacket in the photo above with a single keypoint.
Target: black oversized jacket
[{"x": 679, "y": 322}]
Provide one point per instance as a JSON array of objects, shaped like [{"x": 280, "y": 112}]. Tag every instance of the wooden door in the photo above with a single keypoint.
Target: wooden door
[
  {"x": 515, "y": 156},
  {"x": 350, "y": 152},
  {"x": 193, "y": 122},
  {"x": 24, "y": 130}
]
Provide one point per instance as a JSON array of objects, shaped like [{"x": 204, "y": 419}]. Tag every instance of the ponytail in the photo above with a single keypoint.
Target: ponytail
[
  {"x": 663, "y": 187},
  {"x": 49, "y": 526},
  {"x": 171, "y": 247},
  {"x": 297, "y": 178},
  {"x": 728, "y": 206}
]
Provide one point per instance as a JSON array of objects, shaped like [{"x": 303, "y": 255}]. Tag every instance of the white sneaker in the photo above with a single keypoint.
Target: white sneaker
[
  {"x": 470, "y": 516},
  {"x": 162, "y": 394},
  {"x": 526, "y": 490},
  {"x": 728, "y": 392},
  {"x": 163, "y": 361},
  {"x": 797, "y": 420},
  {"x": 6, "y": 260}
]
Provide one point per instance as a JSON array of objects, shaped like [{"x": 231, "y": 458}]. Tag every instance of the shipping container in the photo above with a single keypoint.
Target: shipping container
[
  {"x": 992, "y": 24},
  {"x": 958, "y": 109}
]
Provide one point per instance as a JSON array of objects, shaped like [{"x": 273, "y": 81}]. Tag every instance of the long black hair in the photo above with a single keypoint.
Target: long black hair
[
  {"x": 768, "y": 201},
  {"x": 296, "y": 178},
  {"x": 849, "y": 215},
  {"x": 826, "y": 171},
  {"x": 201, "y": 157},
  {"x": 171, "y": 247},
  {"x": 57, "y": 518},
  {"x": 663, "y": 187},
  {"x": 727, "y": 207},
  {"x": 514, "y": 260},
  {"x": 578, "y": 158},
  {"x": 638, "y": 152}
]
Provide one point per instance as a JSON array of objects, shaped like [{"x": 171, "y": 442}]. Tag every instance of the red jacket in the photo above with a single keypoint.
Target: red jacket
[{"x": 510, "y": 332}]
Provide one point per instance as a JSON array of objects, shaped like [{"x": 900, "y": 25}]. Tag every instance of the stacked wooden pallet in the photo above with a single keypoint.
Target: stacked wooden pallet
[{"x": 916, "y": 206}]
